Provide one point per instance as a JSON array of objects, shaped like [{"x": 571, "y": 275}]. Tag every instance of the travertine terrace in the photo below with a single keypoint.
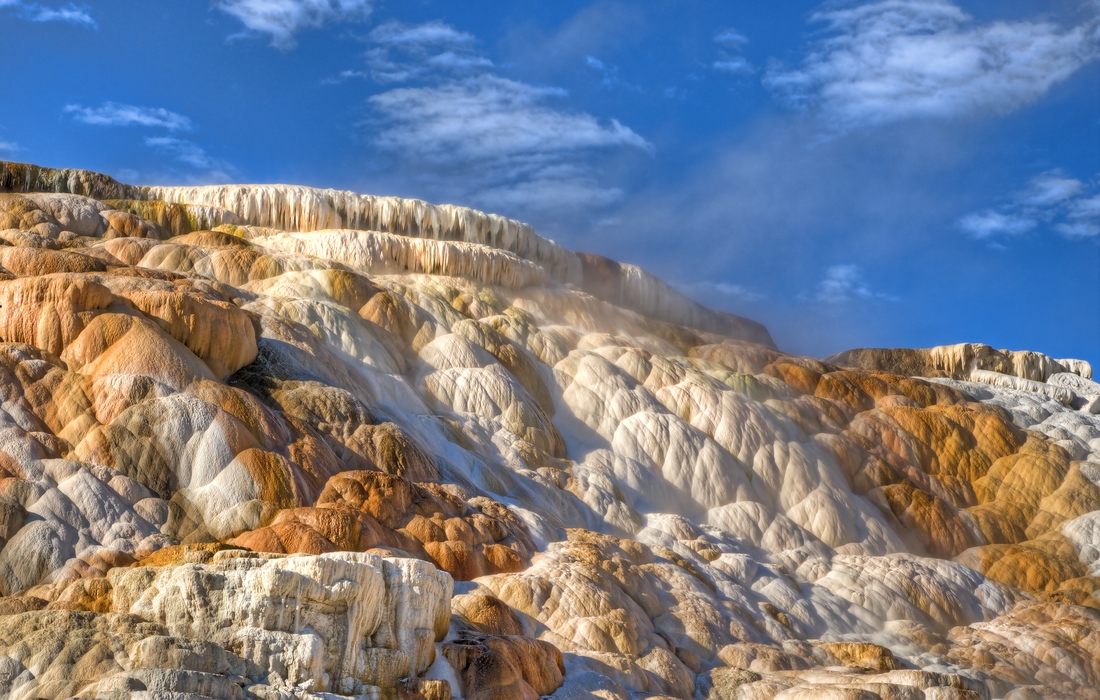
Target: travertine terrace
[{"x": 280, "y": 442}]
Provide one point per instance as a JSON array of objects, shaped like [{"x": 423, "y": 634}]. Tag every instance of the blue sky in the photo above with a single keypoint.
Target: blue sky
[{"x": 892, "y": 173}]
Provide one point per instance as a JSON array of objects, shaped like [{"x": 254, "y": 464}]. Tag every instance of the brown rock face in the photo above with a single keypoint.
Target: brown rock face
[
  {"x": 215, "y": 330},
  {"x": 741, "y": 357},
  {"x": 423, "y": 689},
  {"x": 762, "y": 658},
  {"x": 910, "y": 363},
  {"x": 488, "y": 614},
  {"x": 363, "y": 510},
  {"x": 956, "y": 361},
  {"x": 505, "y": 667},
  {"x": 49, "y": 312},
  {"x": 862, "y": 655},
  {"x": 32, "y": 262}
]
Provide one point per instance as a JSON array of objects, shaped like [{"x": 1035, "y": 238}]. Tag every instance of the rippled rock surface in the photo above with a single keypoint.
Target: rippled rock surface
[{"x": 278, "y": 442}]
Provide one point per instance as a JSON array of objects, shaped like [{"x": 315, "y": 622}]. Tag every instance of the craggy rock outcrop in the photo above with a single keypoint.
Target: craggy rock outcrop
[
  {"x": 959, "y": 361},
  {"x": 342, "y": 620},
  {"x": 250, "y": 435},
  {"x": 240, "y": 624},
  {"x": 363, "y": 510},
  {"x": 179, "y": 210}
]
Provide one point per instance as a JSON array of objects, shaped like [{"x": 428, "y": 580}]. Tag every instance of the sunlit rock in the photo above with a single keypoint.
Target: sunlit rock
[{"x": 250, "y": 435}]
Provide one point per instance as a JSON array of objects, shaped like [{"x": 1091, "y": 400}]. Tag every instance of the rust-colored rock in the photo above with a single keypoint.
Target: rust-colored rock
[
  {"x": 361, "y": 510},
  {"x": 505, "y": 667}
]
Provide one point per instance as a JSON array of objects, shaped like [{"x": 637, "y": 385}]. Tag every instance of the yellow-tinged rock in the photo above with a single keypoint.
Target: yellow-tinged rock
[
  {"x": 49, "y": 312},
  {"x": 116, "y": 343}
]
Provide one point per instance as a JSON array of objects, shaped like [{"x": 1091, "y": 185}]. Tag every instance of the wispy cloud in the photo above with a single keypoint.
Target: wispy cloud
[
  {"x": 731, "y": 38},
  {"x": 707, "y": 290},
  {"x": 507, "y": 132},
  {"x": 900, "y": 59},
  {"x": 738, "y": 65},
  {"x": 609, "y": 74},
  {"x": 71, "y": 14},
  {"x": 1082, "y": 218},
  {"x": 190, "y": 153},
  {"x": 729, "y": 60},
  {"x": 491, "y": 118},
  {"x": 33, "y": 12},
  {"x": 1050, "y": 188},
  {"x": 519, "y": 148},
  {"x": 114, "y": 114},
  {"x": 434, "y": 33},
  {"x": 990, "y": 224},
  {"x": 401, "y": 52},
  {"x": 9, "y": 146},
  {"x": 546, "y": 188},
  {"x": 282, "y": 19},
  {"x": 1067, "y": 205},
  {"x": 844, "y": 283}
]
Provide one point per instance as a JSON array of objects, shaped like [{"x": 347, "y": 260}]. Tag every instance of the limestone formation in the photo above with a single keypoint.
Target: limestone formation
[{"x": 267, "y": 441}]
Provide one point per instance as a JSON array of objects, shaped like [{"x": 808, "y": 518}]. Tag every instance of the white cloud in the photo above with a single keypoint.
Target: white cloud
[
  {"x": 731, "y": 37},
  {"x": 190, "y": 153},
  {"x": 114, "y": 114},
  {"x": 547, "y": 188},
  {"x": 989, "y": 224},
  {"x": 738, "y": 65},
  {"x": 68, "y": 13},
  {"x": 899, "y": 59},
  {"x": 1080, "y": 217},
  {"x": 33, "y": 12},
  {"x": 1051, "y": 198},
  {"x": 489, "y": 118},
  {"x": 609, "y": 74},
  {"x": 729, "y": 61},
  {"x": 452, "y": 60},
  {"x": 517, "y": 148},
  {"x": 434, "y": 33},
  {"x": 1085, "y": 208},
  {"x": 1050, "y": 188},
  {"x": 707, "y": 289},
  {"x": 9, "y": 146},
  {"x": 1078, "y": 229},
  {"x": 345, "y": 75},
  {"x": 282, "y": 19},
  {"x": 402, "y": 52},
  {"x": 844, "y": 283}
]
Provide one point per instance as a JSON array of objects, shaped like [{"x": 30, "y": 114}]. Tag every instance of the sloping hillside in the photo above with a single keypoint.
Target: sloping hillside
[{"x": 271, "y": 441}]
